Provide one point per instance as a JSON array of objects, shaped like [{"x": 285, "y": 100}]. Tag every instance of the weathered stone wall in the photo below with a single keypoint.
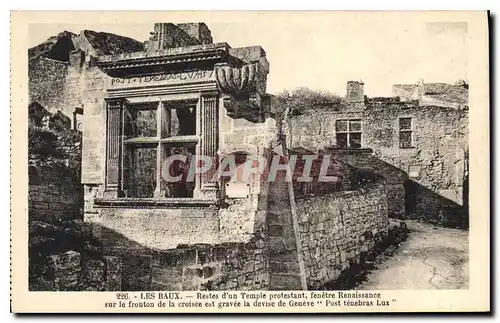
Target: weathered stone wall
[
  {"x": 339, "y": 229},
  {"x": 47, "y": 83},
  {"x": 197, "y": 30},
  {"x": 159, "y": 228},
  {"x": 64, "y": 86},
  {"x": 54, "y": 194},
  {"x": 435, "y": 165},
  {"x": 54, "y": 188},
  {"x": 186, "y": 247},
  {"x": 228, "y": 266},
  {"x": 66, "y": 256},
  {"x": 197, "y": 266},
  {"x": 366, "y": 168},
  {"x": 67, "y": 272}
]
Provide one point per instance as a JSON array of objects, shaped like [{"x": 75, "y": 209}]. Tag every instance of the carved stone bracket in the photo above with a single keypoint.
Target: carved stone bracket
[{"x": 243, "y": 88}]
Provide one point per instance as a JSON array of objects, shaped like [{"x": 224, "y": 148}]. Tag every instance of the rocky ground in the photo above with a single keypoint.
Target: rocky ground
[{"x": 431, "y": 258}]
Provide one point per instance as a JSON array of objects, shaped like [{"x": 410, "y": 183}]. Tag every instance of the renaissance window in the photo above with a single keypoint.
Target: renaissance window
[
  {"x": 348, "y": 133},
  {"x": 152, "y": 132},
  {"x": 405, "y": 132},
  {"x": 140, "y": 138}
]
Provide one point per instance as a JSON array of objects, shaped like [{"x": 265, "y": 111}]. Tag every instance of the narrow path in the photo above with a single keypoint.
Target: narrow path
[{"x": 431, "y": 258}]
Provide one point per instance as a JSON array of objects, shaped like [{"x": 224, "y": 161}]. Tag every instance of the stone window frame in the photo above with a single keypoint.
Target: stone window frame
[
  {"x": 205, "y": 139},
  {"x": 410, "y": 130},
  {"x": 349, "y": 131},
  {"x": 162, "y": 141}
]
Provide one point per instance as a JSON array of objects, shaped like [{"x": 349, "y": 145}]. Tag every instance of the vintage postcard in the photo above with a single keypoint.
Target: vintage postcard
[{"x": 250, "y": 162}]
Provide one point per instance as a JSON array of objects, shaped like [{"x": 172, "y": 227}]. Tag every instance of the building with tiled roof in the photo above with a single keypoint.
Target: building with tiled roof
[{"x": 435, "y": 94}]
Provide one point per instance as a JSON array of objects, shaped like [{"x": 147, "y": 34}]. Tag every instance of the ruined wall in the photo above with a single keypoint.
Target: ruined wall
[
  {"x": 199, "y": 31},
  {"x": 47, "y": 83},
  {"x": 91, "y": 97},
  {"x": 228, "y": 266},
  {"x": 339, "y": 229},
  {"x": 185, "y": 249},
  {"x": 435, "y": 165},
  {"x": 54, "y": 194},
  {"x": 65, "y": 86},
  {"x": 365, "y": 168},
  {"x": 66, "y": 256},
  {"x": 54, "y": 161},
  {"x": 67, "y": 271}
]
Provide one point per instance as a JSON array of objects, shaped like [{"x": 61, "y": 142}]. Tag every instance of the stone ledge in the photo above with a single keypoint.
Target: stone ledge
[
  {"x": 155, "y": 203},
  {"x": 349, "y": 150}
]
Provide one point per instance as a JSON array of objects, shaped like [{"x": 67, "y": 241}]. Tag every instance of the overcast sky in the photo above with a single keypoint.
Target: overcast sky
[{"x": 324, "y": 51}]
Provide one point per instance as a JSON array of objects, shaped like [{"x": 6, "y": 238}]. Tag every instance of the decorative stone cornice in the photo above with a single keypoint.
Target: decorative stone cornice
[{"x": 144, "y": 63}]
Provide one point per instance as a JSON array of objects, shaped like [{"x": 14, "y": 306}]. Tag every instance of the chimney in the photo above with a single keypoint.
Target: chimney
[
  {"x": 420, "y": 90},
  {"x": 355, "y": 92}
]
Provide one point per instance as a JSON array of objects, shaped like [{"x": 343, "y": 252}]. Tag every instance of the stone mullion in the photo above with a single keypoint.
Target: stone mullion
[
  {"x": 160, "y": 133},
  {"x": 113, "y": 148},
  {"x": 125, "y": 159},
  {"x": 198, "y": 149}
]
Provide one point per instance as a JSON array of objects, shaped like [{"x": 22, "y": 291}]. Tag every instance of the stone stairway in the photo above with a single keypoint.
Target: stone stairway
[{"x": 283, "y": 262}]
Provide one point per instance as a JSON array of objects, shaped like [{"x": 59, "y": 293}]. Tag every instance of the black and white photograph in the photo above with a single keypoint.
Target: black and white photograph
[{"x": 324, "y": 157}]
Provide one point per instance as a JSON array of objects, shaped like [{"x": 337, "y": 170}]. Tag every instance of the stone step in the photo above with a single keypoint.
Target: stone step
[
  {"x": 278, "y": 287},
  {"x": 275, "y": 230},
  {"x": 290, "y": 267},
  {"x": 283, "y": 256},
  {"x": 279, "y": 207},
  {"x": 278, "y": 243},
  {"x": 286, "y": 281},
  {"x": 274, "y": 218}
]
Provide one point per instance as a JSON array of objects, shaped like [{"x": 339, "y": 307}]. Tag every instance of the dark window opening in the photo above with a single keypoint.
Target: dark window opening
[
  {"x": 143, "y": 171},
  {"x": 183, "y": 121},
  {"x": 185, "y": 186},
  {"x": 348, "y": 133},
  {"x": 342, "y": 140},
  {"x": 405, "y": 132},
  {"x": 355, "y": 140}
]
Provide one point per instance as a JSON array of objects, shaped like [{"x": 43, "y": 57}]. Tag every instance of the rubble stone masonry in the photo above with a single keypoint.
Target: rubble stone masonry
[
  {"x": 339, "y": 229},
  {"x": 55, "y": 191},
  {"x": 433, "y": 170},
  {"x": 67, "y": 272}
]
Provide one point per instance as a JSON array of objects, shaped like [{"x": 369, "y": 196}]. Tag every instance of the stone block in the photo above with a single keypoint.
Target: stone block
[
  {"x": 192, "y": 271},
  {"x": 113, "y": 281},
  {"x": 94, "y": 272},
  {"x": 208, "y": 271},
  {"x": 64, "y": 261},
  {"x": 275, "y": 230},
  {"x": 68, "y": 281},
  {"x": 189, "y": 257},
  {"x": 219, "y": 254},
  {"x": 204, "y": 256}
]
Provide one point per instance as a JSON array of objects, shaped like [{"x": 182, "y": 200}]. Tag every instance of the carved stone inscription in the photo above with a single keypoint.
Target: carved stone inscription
[{"x": 163, "y": 79}]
